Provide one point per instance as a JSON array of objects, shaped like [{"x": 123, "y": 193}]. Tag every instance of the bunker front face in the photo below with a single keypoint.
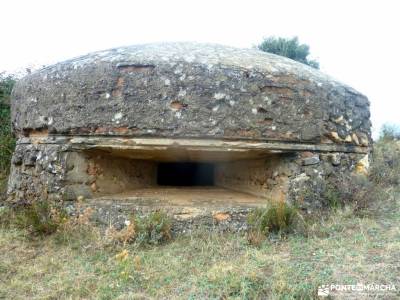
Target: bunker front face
[{"x": 197, "y": 129}]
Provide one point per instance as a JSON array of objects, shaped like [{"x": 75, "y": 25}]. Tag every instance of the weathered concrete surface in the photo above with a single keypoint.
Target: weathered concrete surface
[
  {"x": 96, "y": 126},
  {"x": 190, "y": 90},
  {"x": 225, "y": 215},
  {"x": 66, "y": 170}
]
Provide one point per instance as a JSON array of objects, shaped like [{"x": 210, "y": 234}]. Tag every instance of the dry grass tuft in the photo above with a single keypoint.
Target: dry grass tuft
[{"x": 124, "y": 236}]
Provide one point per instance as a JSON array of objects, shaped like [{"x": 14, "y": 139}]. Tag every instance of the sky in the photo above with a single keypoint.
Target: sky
[{"x": 356, "y": 42}]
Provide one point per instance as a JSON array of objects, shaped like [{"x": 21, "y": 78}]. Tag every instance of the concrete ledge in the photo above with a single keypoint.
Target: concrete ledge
[
  {"x": 151, "y": 144},
  {"x": 185, "y": 218}
]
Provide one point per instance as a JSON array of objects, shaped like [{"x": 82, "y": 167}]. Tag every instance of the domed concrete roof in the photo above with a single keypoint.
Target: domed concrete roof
[{"x": 190, "y": 90}]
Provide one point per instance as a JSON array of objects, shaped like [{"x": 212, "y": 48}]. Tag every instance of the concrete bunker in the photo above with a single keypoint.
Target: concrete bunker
[{"x": 132, "y": 128}]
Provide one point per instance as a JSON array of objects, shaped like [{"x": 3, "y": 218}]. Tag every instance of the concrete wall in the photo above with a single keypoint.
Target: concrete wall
[
  {"x": 248, "y": 176},
  {"x": 190, "y": 90},
  {"x": 95, "y": 174},
  {"x": 68, "y": 169}
]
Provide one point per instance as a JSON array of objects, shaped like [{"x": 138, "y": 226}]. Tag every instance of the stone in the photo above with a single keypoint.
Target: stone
[
  {"x": 221, "y": 216},
  {"x": 17, "y": 158},
  {"x": 362, "y": 165},
  {"x": 339, "y": 120},
  {"x": 328, "y": 169},
  {"x": 364, "y": 140},
  {"x": 335, "y": 136},
  {"x": 306, "y": 154},
  {"x": 30, "y": 159},
  {"x": 75, "y": 191},
  {"x": 311, "y": 171},
  {"x": 355, "y": 139},
  {"x": 313, "y": 160},
  {"x": 310, "y": 132},
  {"x": 335, "y": 159},
  {"x": 348, "y": 139},
  {"x": 93, "y": 187}
]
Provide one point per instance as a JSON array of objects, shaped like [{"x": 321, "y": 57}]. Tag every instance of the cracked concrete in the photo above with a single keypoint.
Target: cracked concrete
[{"x": 97, "y": 125}]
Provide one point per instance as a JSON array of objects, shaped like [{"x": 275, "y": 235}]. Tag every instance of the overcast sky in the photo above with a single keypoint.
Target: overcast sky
[{"x": 356, "y": 42}]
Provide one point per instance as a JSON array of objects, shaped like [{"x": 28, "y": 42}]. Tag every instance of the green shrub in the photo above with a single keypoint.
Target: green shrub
[
  {"x": 40, "y": 217},
  {"x": 353, "y": 189},
  {"x": 288, "y": 47},
  {"x": 332, "y": 196},
  {"x": 390, "y": 132},
  {"x": 363, "y": 192},
  {"x": 7, "y": 141},
  {"x": 385, "y": 166},
  {"x": 276, "y": 217},
  {"x": 154, "y": 228}
]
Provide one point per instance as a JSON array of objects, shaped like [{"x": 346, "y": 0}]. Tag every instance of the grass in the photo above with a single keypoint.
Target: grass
[
  {"x": 342, "y": 248},
  {"x": 278, "y": 216}
]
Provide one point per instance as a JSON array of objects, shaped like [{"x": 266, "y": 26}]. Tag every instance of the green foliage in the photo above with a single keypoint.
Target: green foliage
[
  {"x": 154, "y": 228},
  {"x": 7, "y": 141},
  {"x": 333, "y": 197},
  {"x": 6, "y": 86},
  {"x": 361, "y": 191},
  {"x": 6, "y": 216},
  {"x": 276, "y": 217},
  {"x": 150, "y": 229},
  {"x": 385, "y": 167},
  {"x": 290, "y": 48},
  {"x": 390, "y": 132},
  {"x": 40, "y": 217},
  {"x": 340, "y": 190},
  {"x": 367, "y": 194}
]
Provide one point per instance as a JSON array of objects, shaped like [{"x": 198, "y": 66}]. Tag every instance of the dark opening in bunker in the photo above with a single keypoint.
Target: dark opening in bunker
[
  {"x": 185, "y": 174},
  {"x": 175, "y": 175}
]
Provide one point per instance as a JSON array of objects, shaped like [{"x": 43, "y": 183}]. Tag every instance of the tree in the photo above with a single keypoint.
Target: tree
[
  {"x": 390, "y": 132},
  {"x": 7, "y": 141},
  {"x": 6, "y": 85},
  {"x": 290, "y": 48}
]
